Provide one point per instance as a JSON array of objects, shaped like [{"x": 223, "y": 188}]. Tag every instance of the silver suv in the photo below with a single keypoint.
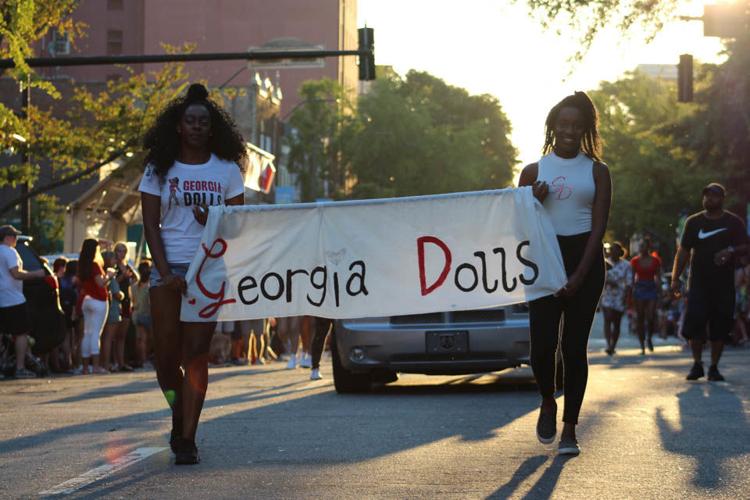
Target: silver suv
[{"x": 449, "y": 343}]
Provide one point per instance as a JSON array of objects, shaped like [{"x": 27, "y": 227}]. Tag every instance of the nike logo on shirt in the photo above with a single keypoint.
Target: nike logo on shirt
[{"x": 703, "y": 236}]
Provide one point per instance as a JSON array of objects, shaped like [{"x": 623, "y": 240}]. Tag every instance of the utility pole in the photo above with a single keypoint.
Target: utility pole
[{"x": 26, "y": 204}]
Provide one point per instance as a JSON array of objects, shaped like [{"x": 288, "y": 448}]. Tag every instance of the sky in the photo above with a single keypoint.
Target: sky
[{"x": 495, "y": 47}]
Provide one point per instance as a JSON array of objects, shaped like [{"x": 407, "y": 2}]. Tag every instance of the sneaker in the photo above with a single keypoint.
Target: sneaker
[
  {"x": 306, "y": 361},
  {"x": 696, "y": 372},
  {"x": 126, "y": 368},
  {"x": 315, "y": 374},
  {"x": 186, "y": 452},
  {"x": 568, "y": 446},
  {"x": 292, "y": 364},
  {"x": 24, "y": 373},
  {"x": 98, "y": 370},
  {"x": 546, "y": 426},
  {"x": 714, "y": 375},
  {"x": 650, "y": 345},
  {"x": 78, "y": 370}
]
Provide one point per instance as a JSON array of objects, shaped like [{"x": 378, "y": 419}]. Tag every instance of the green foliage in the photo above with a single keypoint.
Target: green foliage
[
  {"x": 97, "y": 125},
  {"x": 322, "y": 123},
  {"x": 419, "y": 135},
  {"x": 589, "y": 17},
  {"x": 654, "y": 179},
  {"x": 718, "y": 132},
  {"x": 47, "y": 224}
]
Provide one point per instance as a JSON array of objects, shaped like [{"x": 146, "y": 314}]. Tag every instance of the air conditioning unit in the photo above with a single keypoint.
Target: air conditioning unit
[{"x": 59, "y": 45}]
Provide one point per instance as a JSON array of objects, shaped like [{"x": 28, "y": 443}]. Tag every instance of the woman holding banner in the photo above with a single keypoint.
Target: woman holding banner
[
  {"x": 193, "y": 155},
  {"x": 575, "y": 188}
]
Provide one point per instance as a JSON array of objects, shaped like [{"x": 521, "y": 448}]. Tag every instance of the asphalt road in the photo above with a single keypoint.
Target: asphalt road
[{"x": 268, "y": 432}]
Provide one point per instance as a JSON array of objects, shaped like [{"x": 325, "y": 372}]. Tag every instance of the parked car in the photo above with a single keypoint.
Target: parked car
[
  {"x": 448, "y": 343},
  {"x": 43, "y": 302}
]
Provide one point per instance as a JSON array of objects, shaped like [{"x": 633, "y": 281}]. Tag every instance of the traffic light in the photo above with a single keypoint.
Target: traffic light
[
  {"x": 685, "y": 79},
  {"x": 366, "y": 61}
]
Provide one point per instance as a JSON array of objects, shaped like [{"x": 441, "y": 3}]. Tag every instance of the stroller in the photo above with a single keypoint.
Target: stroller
[{"x": 8, "y": 358}]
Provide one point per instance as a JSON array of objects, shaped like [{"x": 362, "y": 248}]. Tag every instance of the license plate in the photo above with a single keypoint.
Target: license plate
[{"x": 447, "y": 342}]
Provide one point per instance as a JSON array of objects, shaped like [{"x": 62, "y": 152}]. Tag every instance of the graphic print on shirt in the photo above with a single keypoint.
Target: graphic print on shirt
[
  {"x": 562, "y": 190},
  {"x": 201, "y": 192},
  {"x": 174, "y": 186},
  {"x": 708, "y": 234}
]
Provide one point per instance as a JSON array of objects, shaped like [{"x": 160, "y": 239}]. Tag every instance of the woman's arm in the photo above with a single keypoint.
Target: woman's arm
[
  {"x": 528, "y": 178},
  {"x": 599, "y": 218}
]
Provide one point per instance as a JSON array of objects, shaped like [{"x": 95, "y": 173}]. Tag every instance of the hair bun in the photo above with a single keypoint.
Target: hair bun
[{"x": 197, "y": 92}]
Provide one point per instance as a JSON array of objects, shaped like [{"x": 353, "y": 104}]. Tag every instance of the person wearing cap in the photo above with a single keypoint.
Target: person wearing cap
[
  {"x": 13, "y": 314},
  {"x": 710, "y": 242}
]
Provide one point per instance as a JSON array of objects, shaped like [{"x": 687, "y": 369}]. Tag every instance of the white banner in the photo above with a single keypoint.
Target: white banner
[{"x": 374, "y": 257}]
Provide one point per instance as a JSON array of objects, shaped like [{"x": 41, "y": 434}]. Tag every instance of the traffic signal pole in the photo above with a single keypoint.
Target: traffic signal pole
[{"x": 366, "y": 55}]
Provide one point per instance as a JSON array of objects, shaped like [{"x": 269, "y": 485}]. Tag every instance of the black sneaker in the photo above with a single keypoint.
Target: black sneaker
[
  {"x": 650, "y": 345},
  {"x": 568, "y": 446},
  {"x": 714, "y": 375},
  {"x": 546, "y": 426},
  {"x": 186, "y": 452},
  {"x": 696, "y": 372}
]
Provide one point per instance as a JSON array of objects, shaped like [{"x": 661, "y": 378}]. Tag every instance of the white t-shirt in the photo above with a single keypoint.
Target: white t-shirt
[
  {"x": 184, "y": 187},
  {"x": 11, "y": 289}
]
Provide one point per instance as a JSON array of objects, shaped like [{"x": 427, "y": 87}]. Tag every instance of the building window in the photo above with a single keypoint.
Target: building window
[
  {"x": 114, "y": 42},
  {"x": 114, "y": 4}
]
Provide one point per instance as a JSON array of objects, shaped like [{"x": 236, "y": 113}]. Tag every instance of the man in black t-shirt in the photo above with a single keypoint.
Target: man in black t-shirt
[{"x": 710, "y": 241}]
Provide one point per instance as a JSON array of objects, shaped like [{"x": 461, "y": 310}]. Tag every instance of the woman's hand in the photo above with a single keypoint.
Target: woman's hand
[
  {"x": 540, "y": 190},
  {"x": 575, "y": 281},
  {"x": 175, "y": 282},
  {"x": 200, "y": 212}
]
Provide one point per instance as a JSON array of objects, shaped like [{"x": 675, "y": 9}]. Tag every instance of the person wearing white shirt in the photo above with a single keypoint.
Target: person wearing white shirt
[
  {"x": 194, "y": 153},
  {"x": 13, "y": 314}
]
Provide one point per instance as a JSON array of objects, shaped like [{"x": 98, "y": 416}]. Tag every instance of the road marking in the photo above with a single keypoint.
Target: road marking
[{"x": 101, "y": 472}]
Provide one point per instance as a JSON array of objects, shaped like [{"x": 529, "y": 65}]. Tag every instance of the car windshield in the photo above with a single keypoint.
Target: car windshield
[{"x": 30, "y": 261}]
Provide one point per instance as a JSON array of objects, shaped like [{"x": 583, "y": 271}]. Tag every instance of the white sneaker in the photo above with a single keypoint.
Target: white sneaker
[
  {"x": 315, "y": 374},
  {"x": 305, "y": 361},
  {"x": 292, "y": 364}
]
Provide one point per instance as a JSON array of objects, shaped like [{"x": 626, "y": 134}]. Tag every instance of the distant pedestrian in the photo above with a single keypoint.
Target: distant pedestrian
[
  {"x": 107, "y": 359},
  {"x": 192, "y": 162},
  {"x": 614, "y": 300},
  {"x": 323, "y": 326},
  {"x": 126, "y": 277},
  {"x": 646, "y": 288},
  {"x": 711, "y": 242},
  {"x": 13, "y": 313},
  {"x": 68, "y": 301},
  {"x": 94, "y": 306},
  {"x": 142, "y": 314},
  {"x": 575, "y": 188}
]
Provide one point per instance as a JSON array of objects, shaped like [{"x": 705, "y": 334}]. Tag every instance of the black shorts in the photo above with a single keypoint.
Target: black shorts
[
  {"x": 15, "y": 320},
  {"x": 711, "y": 307}
]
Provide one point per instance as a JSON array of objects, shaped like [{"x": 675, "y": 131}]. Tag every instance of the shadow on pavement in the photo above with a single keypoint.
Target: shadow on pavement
[
  {"x": 138, "y": 386},
  {"x": 543, "y": 487},
  {"x": 712, "y": 429}
]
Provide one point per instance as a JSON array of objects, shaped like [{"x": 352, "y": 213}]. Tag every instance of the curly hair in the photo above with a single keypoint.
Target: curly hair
[
  {"x": 163, "y": 143},
  {"x": 591, "y": 142}
]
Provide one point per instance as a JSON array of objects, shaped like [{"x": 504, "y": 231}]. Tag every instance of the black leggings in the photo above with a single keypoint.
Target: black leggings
[
  {"x": 577, "y": 314},
  {"x": 322, "y": 327}
]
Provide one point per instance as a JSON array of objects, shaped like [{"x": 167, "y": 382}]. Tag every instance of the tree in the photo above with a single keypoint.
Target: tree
[
  {"x": 98, "y": 127},
  {"x": 717, "y": 133},
  {"x": 321, "y": 124},
  {"x": 589, "y": 17},
  {"x": 418, "y": 135},
  {"x": 22, "y": 24},
  {"x": 654, "y": 179}
]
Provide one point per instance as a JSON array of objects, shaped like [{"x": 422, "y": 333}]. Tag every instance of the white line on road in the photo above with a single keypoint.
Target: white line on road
[{"x": 101, "y": 472}]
